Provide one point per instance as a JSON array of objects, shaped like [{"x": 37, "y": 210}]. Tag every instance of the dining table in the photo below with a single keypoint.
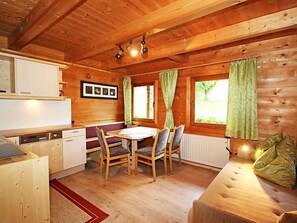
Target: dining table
[{"x": 133, "y": 135}]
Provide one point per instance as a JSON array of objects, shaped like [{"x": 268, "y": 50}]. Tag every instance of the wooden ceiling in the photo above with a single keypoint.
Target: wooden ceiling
[{"x": 88, "y": 31}]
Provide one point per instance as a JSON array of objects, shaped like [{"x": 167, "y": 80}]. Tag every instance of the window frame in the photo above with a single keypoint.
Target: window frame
[
  {"x": 139, "y": 120},
  {"x": 192, "y": 100}
]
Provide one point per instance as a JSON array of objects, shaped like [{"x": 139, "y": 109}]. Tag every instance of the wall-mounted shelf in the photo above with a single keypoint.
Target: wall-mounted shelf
[
  {"x": 63, "y": 82},
  {"x": 20, "y": 97}
]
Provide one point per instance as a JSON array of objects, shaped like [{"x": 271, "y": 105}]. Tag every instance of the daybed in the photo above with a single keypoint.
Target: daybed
[{"x": 237, "y": 195}]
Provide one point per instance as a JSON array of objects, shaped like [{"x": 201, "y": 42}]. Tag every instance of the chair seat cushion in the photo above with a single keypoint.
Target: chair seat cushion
[
  {"x": 147, "y": 151},
  {"x": 118, "y": 150}
]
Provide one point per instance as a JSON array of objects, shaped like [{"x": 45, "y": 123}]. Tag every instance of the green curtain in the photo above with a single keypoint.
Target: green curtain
[
  {"x": 242, "y": 117},
  {"x": 168, "y": 83},
  {"x": 127, "y": 87}
]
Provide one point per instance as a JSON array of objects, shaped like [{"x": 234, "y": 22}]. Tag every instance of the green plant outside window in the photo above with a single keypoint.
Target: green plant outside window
[
  {"x": 143, "y": 102},
  {"x": 211, "y": 100}
]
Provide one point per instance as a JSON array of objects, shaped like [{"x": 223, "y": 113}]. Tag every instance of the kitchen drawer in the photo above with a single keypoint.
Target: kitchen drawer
[{"x": 74, "y": 133}]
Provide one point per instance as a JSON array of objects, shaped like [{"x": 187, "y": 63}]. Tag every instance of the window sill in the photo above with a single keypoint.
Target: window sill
[
  {"x": 144, "y": 122},
  {"x": 216, "y": 130}
]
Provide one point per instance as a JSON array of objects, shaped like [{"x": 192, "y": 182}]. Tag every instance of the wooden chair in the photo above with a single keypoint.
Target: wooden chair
[
  {"x": 174, "y": 145},
  {"x": 119, "y": 153},
  {"x": 149, "y": 154}
]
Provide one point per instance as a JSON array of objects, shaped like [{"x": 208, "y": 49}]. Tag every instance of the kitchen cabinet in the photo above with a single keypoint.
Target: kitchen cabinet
[
  {"x": 74, "y": 147},
  {"x": 7, "y": 78},
  {"x": 36, "y": 79},
  {"x": 51, "y": 148},
  {"x": 24, "y": 189}
]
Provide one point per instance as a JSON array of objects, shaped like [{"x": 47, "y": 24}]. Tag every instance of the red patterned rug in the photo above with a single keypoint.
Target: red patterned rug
[{"x": 96, "y": 215}]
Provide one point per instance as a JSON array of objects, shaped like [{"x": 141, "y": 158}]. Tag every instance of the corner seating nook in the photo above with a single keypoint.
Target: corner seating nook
[{"x": 93, "y": 144}]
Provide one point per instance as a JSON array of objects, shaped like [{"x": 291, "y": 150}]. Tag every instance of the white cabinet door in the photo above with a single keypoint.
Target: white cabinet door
[
  {"x": 74, "y": 151},
  {"x": 24, "y": 77},
  {"x": 36, "y": 79}
]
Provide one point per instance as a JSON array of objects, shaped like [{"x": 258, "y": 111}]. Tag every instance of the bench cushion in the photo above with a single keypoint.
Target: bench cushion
[
  {"x": 95, "y": 143},
  {"x": 91, "y": 132}
]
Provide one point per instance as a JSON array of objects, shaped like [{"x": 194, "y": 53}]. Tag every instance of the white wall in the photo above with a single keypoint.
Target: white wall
[{"x": 17, "y": 114}]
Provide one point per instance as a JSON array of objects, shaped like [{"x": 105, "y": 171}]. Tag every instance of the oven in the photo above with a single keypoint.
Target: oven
[{"x": 42, "y": 136}]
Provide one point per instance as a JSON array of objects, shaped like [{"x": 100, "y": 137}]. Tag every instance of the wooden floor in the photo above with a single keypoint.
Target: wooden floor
[{"x": 136, "y": 198}]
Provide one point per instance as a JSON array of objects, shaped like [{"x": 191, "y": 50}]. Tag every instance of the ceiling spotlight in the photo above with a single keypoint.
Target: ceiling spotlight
[
  {"x": 132, "y": 49},
  {"x": 133, "y": 52},
  {"x": 120, "y": 53},
  {"x": 144, "y": 49}
]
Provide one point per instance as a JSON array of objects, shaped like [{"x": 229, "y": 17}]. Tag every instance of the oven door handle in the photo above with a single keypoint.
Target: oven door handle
[{"x": 43, "y": 138}]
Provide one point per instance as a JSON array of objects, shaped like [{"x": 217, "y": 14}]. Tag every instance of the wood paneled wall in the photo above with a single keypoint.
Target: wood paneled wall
[
  {"x": 85, "y": 110},
  {"x": 276, "y": 83}
]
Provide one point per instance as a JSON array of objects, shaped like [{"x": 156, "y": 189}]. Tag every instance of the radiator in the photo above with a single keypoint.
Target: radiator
[{"x": 205, "y": 150}]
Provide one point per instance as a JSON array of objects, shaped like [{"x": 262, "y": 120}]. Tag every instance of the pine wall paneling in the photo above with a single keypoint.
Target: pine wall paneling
[
  {"x": 276, "y": 83},
  {"x": 87, "y": 110}
]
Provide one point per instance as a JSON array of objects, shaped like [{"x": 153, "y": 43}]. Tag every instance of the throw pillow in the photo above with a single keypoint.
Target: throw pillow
[
  {"x": 265, "y": 145},
  {"x": 287, "y": 145},
  {"x": 278, "y": 164}
]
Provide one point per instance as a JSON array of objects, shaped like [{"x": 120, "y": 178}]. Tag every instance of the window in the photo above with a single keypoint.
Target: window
[
  {"x": 143, "y": 102},
  {"x": 210, "y": 100}
]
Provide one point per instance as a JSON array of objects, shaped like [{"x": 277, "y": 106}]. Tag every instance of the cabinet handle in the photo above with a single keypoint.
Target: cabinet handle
[
  {"x": 69, "y": 140},
  {"x": 25, "y": 92},
  {"x": 74, "y": 131}
]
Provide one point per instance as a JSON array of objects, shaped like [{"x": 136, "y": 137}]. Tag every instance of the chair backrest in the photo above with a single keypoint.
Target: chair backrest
[
  {"x": 102, "y": 141},
  {"x": 160, "y": 140},
  {"x": 177, "y": 136}
]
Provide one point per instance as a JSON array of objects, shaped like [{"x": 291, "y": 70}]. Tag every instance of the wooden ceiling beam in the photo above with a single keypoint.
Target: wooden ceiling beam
[
  {"x": 45, "y": 14},
  {"x": 271, "y": 23},
  {"x": 174, "y": 14},
  {"x": 181, "y": 59}
]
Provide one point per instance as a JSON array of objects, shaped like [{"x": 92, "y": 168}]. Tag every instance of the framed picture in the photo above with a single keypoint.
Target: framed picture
[{"x": 97, "y": 90}]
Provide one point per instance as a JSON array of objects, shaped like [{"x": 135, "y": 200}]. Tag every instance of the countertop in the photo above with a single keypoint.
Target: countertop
[
  {"x": 19, "y": 132},
  {"x": 98, "y": 123}
]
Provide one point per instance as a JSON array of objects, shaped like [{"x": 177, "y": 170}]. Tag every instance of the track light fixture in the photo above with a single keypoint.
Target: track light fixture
[
  {"x": 120, "y": 53},
  {"x": 132, "y": 49},
  {"x": 144, "y": 49}
]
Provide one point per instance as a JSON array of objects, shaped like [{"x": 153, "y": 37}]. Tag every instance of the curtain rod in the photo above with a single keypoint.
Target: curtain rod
[{"x": 192, "y": 66}]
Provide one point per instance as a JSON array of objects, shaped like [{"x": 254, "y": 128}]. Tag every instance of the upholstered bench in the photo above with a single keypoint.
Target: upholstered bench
[
  {"x": 93, "y": 144},
  {"x": 237, "y": 195}
]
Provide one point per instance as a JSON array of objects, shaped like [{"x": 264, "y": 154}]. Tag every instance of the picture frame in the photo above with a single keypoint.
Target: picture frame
[{"x": 98, "y": 90}]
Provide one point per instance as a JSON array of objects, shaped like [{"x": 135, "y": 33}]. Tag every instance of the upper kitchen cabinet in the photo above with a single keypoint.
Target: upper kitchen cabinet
[
  {"x": 36, "y": 79},
  {"x": 7, "y": 76},
  {"x": 26, "y": 78}
]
